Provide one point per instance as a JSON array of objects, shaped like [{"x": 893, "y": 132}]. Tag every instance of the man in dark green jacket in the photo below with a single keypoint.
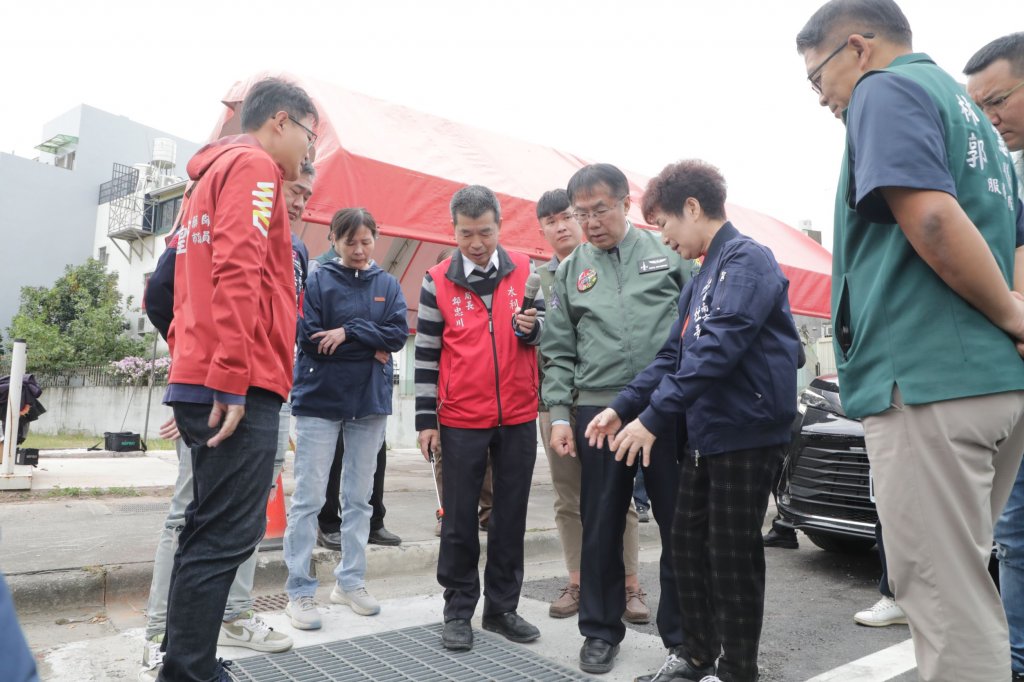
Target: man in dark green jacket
[{"x": 613, "y": 303}]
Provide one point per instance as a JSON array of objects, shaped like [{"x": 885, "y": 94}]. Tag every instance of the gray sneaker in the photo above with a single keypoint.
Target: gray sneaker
[
  {"x": 361, "y": 601},
  {"x": 303, "y": 613},
  {"x": 251, "y": 632},
  {"x": 152, "y": 659}
]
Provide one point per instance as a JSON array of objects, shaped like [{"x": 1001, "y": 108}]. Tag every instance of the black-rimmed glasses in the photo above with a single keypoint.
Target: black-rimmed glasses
[{"x": 815, "y": 76}]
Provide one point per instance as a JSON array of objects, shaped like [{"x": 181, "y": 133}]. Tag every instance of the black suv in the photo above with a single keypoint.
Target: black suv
[{"x": 825, "y": 487}]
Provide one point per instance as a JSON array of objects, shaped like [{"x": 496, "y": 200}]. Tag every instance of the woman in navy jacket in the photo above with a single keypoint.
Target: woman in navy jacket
[
  {"x": 354, "y": 317},
  {"x": 729, "y": 366}
]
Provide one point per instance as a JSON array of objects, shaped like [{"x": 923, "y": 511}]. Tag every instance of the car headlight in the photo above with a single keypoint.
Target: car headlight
[{"x": 811, "y": 397}]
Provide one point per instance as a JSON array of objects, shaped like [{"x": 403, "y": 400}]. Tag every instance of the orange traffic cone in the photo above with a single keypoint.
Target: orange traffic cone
[{"x": 276, "y": 520}]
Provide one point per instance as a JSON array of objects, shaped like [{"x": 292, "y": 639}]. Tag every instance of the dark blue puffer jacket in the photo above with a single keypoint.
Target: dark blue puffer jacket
[
  {"x": 350, "y": 383},
  {"x": 730, "y": 361}
]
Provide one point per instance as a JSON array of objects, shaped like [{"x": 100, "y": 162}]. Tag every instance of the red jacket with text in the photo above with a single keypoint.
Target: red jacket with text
[
  {"x": 234, "y": 289},
  {"x": 487, "y": 375}
]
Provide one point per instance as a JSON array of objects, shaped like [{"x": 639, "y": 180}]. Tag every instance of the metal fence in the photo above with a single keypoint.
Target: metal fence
[{"x": 75, "y": 377}]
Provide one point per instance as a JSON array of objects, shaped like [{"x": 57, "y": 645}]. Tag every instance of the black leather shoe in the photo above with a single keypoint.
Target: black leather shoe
[
  {"x": 511, "y": 626},
  {"x": 382, "y": 536},
  {"x": 457, "y": 635},
  {"x": 597, "y": 655},
  {"x": 329, "y": 540},
  {"x": 677, "y": 668},
  {"x": 783, "y": 540}
]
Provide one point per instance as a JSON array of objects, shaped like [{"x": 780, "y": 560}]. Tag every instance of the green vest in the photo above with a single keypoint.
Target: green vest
[{"x": 894, "y": 321}]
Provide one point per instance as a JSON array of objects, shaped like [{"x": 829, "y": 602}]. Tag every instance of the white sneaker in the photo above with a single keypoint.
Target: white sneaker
[
  {"x": 710, "y": 678},
  {"x": 361, "y": 601},
  {"x": 152, "y": 659},
  {"x": 303, "y": 613},
  {"x": 251, "y": 632},
  {"x": 885, "y": 612}
]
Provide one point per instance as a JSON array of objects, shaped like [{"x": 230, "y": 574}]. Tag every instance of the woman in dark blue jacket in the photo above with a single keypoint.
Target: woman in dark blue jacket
[
  {"x": 353, "y": 319},
  {"x": 728, "y": 367}
]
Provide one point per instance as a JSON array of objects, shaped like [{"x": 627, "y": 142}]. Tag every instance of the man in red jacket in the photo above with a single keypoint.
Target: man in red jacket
[
  {"x": 476, "y": 394},
  {"x": 231, "y": 341}
]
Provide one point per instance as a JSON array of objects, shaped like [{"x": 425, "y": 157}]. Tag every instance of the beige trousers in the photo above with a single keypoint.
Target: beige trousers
[
  {"x": 565, "y": 478},
  {"x": 942, "y": 474}
]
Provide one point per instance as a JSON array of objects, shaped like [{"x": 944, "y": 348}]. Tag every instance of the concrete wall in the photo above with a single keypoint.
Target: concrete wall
[{"x": 95, "y": 409}]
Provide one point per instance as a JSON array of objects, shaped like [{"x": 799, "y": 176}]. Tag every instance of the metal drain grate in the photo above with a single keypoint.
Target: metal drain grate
[
  {"x": 139, "y": 507},
  {"x": 412, "y": 654},
  {"x": 271, "y": 602}
]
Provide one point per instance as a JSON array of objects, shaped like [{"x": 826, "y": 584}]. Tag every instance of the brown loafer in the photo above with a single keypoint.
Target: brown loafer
[
  {"x": 636, "y": 607},
  {"x": 567, "y": 604}
]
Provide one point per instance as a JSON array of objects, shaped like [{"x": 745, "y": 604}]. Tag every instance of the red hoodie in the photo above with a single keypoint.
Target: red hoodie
[{"x": 234, "y": 303}]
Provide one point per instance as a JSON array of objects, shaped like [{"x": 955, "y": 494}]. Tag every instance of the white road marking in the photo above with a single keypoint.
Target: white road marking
[{"x": 877, "y": 667}]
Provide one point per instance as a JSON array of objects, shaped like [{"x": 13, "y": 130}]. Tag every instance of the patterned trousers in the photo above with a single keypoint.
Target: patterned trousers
[{"x": 718, "y": 556}]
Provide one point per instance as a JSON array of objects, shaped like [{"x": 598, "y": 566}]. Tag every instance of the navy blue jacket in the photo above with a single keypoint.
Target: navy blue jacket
[
  {"x": 350, "y": 383},
  {"x": 730, "y": 360}
]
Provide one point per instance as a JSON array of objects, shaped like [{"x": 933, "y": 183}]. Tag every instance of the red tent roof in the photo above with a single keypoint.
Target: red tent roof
[{"x": 404, "y": 166}]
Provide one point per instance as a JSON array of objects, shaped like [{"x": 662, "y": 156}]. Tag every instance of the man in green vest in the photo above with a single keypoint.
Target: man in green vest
[{"x": 925, "y": 323}]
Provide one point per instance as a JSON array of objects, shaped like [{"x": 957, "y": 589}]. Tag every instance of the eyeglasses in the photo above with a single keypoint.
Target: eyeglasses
[
  {"x": 597, "y": 214},
  {"x": 815, "y": 76},
  {"x": 310, "y": 135},
  {"x": 997, "y": 102}
]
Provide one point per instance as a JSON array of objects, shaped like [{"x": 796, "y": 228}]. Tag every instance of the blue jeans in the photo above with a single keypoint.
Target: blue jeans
[
  {"x": 240, "y": 596},
  {"x": 223, "y": 524},
  {"x": 1009, "y": 534},
  {"x": 314, "y": 451},
  {"x": 18, "y": 663}
]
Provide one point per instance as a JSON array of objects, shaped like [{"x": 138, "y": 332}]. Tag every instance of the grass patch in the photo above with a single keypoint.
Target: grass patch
[
  {"x": 72, "y": 441},
  {"x": 77, "y": 493}
]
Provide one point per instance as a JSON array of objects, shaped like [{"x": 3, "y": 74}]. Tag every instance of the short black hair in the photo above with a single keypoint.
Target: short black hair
[
  {"x": 589, "y": 177},
  {"x": 680, "y": 181},
  {"x": 272, "y": 95},
  {"x": 1010, "y": 48},
  {"x": 473, "y": 201},
  {"x": 348, "y": 220},
  {"x": 884, "y": 18},
  {"x": 552, "y": 202}
]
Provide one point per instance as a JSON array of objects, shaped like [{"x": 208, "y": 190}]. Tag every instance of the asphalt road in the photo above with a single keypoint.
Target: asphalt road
[{"x": 810, "y": 598}]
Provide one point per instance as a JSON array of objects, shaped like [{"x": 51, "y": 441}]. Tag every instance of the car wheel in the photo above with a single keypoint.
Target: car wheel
[{"x": 841, "y": 544}]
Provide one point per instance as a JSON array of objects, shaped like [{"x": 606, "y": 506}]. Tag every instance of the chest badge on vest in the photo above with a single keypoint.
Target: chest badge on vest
[
  {"x": 586, "y": 280},
  {"x": 653, "y": 264}
]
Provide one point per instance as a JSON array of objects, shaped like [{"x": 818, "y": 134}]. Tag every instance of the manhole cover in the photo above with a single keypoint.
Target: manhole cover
[
  {"x": 413, "y": 654},
  {"x": 271, "y": 602},
  {"x": 139, "y": 507}
]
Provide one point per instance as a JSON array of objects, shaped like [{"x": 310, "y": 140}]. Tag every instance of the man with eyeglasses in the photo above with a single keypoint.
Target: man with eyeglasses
[
  {"x": 613, "y": 302},
  {"x": 996, "y": 83},
  {"x": 232, "y": 340},
  {"x": 925, "y": 322}
]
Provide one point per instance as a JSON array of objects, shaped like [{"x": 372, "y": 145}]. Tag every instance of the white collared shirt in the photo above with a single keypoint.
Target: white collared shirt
[{"x": 468, "y": 266}]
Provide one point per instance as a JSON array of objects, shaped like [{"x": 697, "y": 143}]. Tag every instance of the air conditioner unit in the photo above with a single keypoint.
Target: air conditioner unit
[{"x": 826, "y": 331}]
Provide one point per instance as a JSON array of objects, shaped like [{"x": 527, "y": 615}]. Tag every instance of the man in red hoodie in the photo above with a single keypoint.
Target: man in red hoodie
[{"x": 231, "y": 342}]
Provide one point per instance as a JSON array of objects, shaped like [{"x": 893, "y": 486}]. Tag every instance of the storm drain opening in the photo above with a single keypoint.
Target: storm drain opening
[
  {"x": 413, "y": 654},
  {"x": 270, "y": 602}
]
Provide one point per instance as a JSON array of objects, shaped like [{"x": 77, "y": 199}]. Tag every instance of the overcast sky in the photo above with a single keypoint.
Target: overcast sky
[{"x": 638, "y": 84}]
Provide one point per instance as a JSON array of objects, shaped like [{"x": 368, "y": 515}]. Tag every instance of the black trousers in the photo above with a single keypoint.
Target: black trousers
[
  {"x": 718, "y": 555},
  {"x": 329, "y": 517},
  {"x": 605, "y": 492},
  {"x": 513, "y": 452}
]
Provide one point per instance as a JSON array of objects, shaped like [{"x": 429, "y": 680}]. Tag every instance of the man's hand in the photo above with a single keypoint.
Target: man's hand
[
  {"x": 329, "y": 340},
  {"x": 631, "y": 441},
  {"x": 562, "y": 441},
  {"x": 604, "y": 425},
  {"x": 169, "y": 430},
  {"x": 525, "y": 320},
  {"x": 381, "y": 356},
  {"x": 429, "y": 441},
  {"x": 230, "y": 414},
  {"x": 1018, "y": 336}
]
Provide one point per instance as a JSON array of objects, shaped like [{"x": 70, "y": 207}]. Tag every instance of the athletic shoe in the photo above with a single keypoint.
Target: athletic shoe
[
  {"x": 303, "y": 613},
  {"x": 711, "y": 678},
  {"x": 678, "y": 669},
  {"x": 361, "y": 601},
  {"x": 641, "y": 512},
  {"x": 885, "y": 612},
  {"x": 251, "y": 632},
  {"x": 152, "y": 659}
]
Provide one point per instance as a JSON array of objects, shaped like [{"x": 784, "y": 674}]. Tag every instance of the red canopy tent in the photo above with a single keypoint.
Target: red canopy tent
[{"x": 404, "y": 166}]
